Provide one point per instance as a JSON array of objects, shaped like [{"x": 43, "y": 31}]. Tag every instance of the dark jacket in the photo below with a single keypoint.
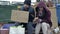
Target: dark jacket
[
  {"x": 47, "y": 17},
  {"x": 31, "y": 12}
]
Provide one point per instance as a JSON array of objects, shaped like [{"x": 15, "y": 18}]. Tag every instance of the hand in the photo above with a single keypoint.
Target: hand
[
  {"x": 40, "y": 20},
  {"x": 35, "y": 19}
]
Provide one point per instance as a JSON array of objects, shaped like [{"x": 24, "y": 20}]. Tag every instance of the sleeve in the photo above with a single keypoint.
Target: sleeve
[
  {"x": 32, "y": 12},
  {"x": 47, "y": 17}
]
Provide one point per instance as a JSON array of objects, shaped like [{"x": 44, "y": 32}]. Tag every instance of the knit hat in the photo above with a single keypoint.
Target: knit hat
[{"x": 28, "y": 2}]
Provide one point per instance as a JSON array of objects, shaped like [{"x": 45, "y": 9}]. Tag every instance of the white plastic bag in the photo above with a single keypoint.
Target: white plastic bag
[
  {"x": 56, "y": 30},
  {"x": 20, "y": 30},
  {"x": 13, "y": 30},
  {"x": 17, "y": 30}
]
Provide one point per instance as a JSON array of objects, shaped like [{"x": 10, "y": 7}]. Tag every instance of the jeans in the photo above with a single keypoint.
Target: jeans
[
  {"x": 29, "y": 28},
  {"x": 44, "y": 27}
]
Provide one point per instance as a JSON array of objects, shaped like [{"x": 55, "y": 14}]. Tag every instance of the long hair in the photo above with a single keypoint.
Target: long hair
[{"x": 37, "y": 10}]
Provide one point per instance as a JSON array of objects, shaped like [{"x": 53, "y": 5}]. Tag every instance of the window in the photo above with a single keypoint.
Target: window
[
  {"x": 4, "y": 2},
  {"x": 17, "y": 1},
  {"x": 59, "y": 1},
  {"x": 56, "y": 1}
]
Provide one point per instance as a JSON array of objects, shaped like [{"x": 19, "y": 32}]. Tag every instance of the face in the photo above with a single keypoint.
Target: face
[
  {"x": 26, "y": 6},
  {"x": 41, "y": 8}
]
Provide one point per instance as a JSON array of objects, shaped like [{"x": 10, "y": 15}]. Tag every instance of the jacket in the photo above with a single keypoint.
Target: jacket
[{"x": 47, "y": 17}]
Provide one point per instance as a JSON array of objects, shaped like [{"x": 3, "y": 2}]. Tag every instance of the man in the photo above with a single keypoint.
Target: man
[{"x": 27, "y": 7}]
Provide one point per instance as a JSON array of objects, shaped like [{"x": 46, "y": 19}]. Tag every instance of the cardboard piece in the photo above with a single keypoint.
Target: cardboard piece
[
  {"x": 20, "y": 16},
  {"x": 53, "y": 17}
]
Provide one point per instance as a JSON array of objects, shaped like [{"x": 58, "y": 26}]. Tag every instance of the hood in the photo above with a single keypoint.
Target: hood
[{"x": 42, "y": 4}]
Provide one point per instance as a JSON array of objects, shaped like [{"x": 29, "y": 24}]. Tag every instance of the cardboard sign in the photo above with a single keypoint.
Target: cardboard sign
[
  {"x": 20, "y": 16},
  {"x": 53, "y": 17}
]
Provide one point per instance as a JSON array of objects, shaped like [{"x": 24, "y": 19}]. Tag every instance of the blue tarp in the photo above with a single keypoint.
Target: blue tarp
[
  {"x": 7, "y": 26},
  {"x": 58, "y": 12}
]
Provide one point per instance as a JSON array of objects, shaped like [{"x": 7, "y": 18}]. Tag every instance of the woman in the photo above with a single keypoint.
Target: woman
[{"x": 43, "y": 18}]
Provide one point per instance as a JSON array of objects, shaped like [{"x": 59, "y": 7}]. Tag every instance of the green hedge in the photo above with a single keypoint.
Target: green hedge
[{"x": 5, "y": 13}]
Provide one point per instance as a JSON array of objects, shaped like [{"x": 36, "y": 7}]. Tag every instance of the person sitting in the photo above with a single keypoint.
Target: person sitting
[
  {"x": 27, "y": 7},
  {"x": 43, "y": 18}
]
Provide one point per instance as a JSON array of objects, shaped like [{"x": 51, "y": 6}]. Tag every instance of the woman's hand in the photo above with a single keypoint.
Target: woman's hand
[{"x": 35, "y": 20}]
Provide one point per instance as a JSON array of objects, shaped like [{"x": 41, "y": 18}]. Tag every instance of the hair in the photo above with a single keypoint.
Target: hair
[
  {"x": 37, "y": 9},
  {"x": 28, "y": 2},
  {"x": 44, "y": 12}
]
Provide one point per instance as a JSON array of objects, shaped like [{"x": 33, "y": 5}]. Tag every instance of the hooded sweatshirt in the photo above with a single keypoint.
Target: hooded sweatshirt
[{"x": 47, "y": 14}]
